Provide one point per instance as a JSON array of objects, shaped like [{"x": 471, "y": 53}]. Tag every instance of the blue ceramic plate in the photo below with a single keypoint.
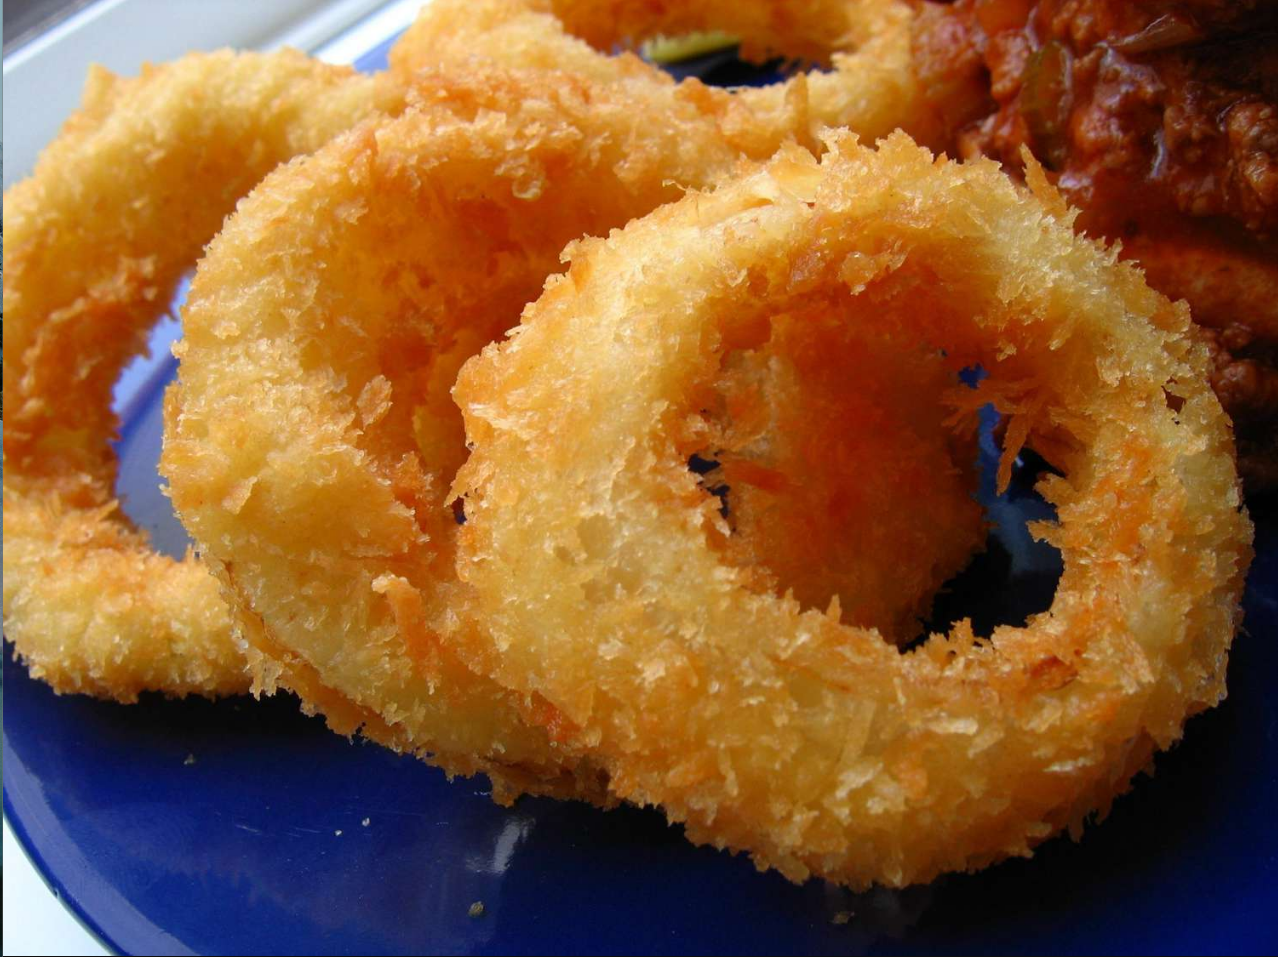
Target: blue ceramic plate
[{"x": 243, "y": 826}]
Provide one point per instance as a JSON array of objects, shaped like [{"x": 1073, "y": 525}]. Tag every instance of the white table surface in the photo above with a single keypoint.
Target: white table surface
[{"x": 35, "y": 922}]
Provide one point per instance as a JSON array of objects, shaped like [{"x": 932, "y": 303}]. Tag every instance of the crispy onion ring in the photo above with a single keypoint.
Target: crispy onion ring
[
  {"x": 872, "y": 88},
  {"x": 777, "y": 730},
  {"x": 96, "y": 240},
  {"x": 323, "y": 332}
]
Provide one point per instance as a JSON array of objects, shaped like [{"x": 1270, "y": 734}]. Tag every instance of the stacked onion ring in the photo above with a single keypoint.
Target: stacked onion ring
[
  {"x": 96, "y": 240},
  {"x": 323, "y": 333},
  {"x": 577, "y": 611},
  {"x": 778, "y": 729}
]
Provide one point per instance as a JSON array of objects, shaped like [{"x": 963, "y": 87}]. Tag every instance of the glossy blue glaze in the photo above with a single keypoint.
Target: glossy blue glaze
[{"x": 193, "y": 827}]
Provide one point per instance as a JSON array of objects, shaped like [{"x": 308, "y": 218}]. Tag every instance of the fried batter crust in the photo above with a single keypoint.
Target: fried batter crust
[
  {"x": 779, "y": 730},
  {"x": 119, "y": 205}
]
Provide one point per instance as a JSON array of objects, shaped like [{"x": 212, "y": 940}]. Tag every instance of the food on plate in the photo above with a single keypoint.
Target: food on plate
[
  {"x": 1159, "y": 121},
  {"x": 141, "y": 177},
  {"x": 311, "y": 437},
  {"x": 725, "y": 463},
  {"x": 764, "y": 722},
  {"x": 119, "y": 205},
  {"x": 870, "y": 88}
]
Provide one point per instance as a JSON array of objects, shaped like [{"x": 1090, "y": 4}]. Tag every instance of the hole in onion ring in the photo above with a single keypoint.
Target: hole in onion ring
[
  {"x": 726, "y": 68},
  {"x": 1016, "y": 575},
  {"x": 137, "y": 403},
  {"x": 842, "y": 477},
  {"x": 699, "y": 465},
  {"x": 799, "y": 497}
]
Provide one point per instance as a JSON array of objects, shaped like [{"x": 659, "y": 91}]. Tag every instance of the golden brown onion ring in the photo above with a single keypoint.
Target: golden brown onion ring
[
  {"x": 778, "y": 730},
  {"x": 88, "y": 604},
  {"x": 311, "y": 436},
  {"x": 95, "y": 242},
  {"x": 872, "y": 87}
]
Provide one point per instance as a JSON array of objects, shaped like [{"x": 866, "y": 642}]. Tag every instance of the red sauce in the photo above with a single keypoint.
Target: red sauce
[{"x": 1159, "y": 121}]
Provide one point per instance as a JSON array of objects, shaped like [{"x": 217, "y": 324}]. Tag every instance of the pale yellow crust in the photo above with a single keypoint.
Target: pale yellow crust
[
  {"x": 777, "y": 730},
  {"x": 871, "y": 87},
  {"x": 119, "y": 205},
  {"x": 311, "y": 437}
]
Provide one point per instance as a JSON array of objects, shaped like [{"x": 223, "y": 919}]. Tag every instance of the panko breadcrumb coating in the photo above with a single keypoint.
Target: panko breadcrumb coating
[
  {"x": 872, "y": 87},
  {"x": 119, "y": 205},
  {"x": 311, "y": 436},
  {"x": 776, "y": 729},
  {"x": 141, "y": 177}
]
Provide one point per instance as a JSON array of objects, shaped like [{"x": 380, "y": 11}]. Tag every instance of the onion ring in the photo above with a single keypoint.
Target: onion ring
[
  {"x": 769, "y": 728},
  {"x": 96, "y": 241},
  {"x": 314, "y": 381},
  {"x": 873, "y": 88},
  {"x": 89, "y": 605}
]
